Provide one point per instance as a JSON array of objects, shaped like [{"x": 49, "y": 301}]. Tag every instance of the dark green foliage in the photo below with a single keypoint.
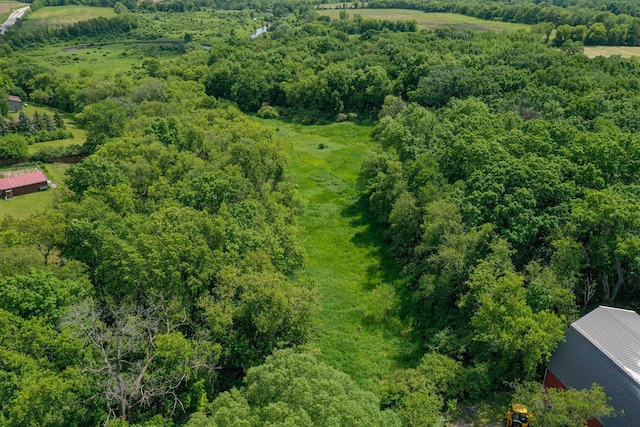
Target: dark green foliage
[{"x": 297, "y": 390}]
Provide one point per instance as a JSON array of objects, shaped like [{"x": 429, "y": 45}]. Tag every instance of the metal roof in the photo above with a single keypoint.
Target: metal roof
[
  {"x": 603, "y": 347},
  {"x": 14, "y": 98},
  {"x": 16, "y": 181}
]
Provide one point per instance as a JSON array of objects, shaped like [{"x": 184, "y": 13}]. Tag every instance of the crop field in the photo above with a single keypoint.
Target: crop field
[
  {"x": 624, "y": 51},
  {"x": 57, "y": 16},
  {"x": 427, "y": 20},
  {"x": 21, "y": 206},
  {"x": 358, "y": 331}
]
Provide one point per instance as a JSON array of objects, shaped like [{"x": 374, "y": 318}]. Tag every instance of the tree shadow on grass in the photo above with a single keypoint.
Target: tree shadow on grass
[{"x": 385, "y": 272}]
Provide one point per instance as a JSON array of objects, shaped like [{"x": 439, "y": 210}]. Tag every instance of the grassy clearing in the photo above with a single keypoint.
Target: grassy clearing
[
  {"x": 160, "y": 35},
  {"x": 57, "y": 16},
  {"x": 357, "y": 331},
  {"x": 428, "y": 20},
  {"x": 101, "y": 60},
  {"x": 26, "y": 204},
  {"x": 624, "y": 51}
]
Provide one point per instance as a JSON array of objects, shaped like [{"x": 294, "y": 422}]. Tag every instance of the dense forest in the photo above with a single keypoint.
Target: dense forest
[{"x": 166, "y": 286}]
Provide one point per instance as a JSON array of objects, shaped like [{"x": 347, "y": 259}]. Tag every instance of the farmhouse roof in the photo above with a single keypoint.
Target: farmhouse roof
[
  {"x": 603, "y": 347},
  {"x": 16, "y": 181},
  {"x": 14, "y": 98}
]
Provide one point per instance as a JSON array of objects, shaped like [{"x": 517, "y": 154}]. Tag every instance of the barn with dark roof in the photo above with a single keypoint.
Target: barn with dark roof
[
  {"x": 602, "y": 347},
  {"x": 22, "y": 184}
]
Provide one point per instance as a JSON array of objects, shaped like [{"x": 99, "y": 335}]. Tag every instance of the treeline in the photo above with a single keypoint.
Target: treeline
[
  {"x": 95, "y": 27},
  {"x": 598, "y": 26},
  {"x": 360, "y": 25}
]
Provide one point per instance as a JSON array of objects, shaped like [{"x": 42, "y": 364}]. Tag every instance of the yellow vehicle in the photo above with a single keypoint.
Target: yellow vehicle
[{"x": 517, "y": 416}]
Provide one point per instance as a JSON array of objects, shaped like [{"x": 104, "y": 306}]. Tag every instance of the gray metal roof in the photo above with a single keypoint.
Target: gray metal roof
[{"x": 603, "y": 347}]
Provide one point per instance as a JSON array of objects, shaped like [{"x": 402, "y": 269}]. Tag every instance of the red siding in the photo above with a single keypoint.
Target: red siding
[
  {"x": 551, "y": 381},
  {"x": 594, "y": 423}
]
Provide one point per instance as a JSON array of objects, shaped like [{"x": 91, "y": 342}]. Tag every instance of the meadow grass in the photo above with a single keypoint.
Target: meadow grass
[
  {"x": 427, "y": 20},
  {"x": 26, "y": 204},
  {"x": 159, "y": 35},
  {"x": 623, "y": 51},
  {"x": 357, "y": 330},
  {"x": 57, "y": 16}
]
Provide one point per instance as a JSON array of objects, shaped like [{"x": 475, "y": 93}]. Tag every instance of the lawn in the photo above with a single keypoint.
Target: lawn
[
  {"x": 427, "y": 20},
  {"x": 357, "y": 331},
  {"x": 624, "y": 51},
  {"x": 57, "y": 16},
  {"x": 21, "y": 206}
]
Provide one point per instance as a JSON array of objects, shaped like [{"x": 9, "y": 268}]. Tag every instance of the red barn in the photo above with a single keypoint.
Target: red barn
[
  {"x": 602, "y": 347},
  {"x": 23, "y": 184}
]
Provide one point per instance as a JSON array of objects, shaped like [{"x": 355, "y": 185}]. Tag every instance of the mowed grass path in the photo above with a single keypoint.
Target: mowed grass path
[
  {"x": 357, "y": 331},
  {"x": 56, "y": 16},
  {"x": 427, "y": 20}
]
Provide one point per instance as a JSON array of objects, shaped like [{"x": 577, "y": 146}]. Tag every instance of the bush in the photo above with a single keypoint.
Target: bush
[
  {"x": 13, "y": 146},
  {"x": 268, "y": 112}
]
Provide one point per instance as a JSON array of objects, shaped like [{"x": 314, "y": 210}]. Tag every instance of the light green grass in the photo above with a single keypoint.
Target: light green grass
[
  {"x": 624, "y": 51},
  {"x": 57, "y": 16},
  {"x": 21, "y": 206},
  {"x": 357, "y": 331},
  {"x": 428, "y": 20}
]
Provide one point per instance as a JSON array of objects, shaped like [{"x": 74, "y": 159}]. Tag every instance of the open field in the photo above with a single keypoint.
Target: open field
[
  {"x": 26, "y": 204},
  {"x": 357, "y": 330},
  {"x": 159, "y": 35},
  {"x": 57, "y": 16},
  {"x": 427, "y": 20},
  {"x": 624, "y": 51},
  {"x": 100, "y": 60}
]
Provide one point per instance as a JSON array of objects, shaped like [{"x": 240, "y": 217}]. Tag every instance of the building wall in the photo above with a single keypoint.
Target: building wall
[
  {"x": 551, "y": 381},
  {"x": 26, "y": 189},
  {"x": 15, "y": 106}
]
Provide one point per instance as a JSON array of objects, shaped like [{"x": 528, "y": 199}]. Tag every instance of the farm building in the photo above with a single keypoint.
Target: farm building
[
  {"x": 602, "y": 347},
  {"x": 15, "y": 103},
  {"x": 22, "y": 184}
]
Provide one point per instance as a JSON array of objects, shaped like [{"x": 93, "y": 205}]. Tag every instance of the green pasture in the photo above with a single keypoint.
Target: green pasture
[
  {"x": 102, "y": 59},
  {"x": 426, "y": 20},
  {"x": 159, "y": 35},
  {"x": 357, "y": 328},
  {"x": 26, "y": 204},
  {"x": 624, "y": 51},
  {"x": 58, "y": 16}
]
